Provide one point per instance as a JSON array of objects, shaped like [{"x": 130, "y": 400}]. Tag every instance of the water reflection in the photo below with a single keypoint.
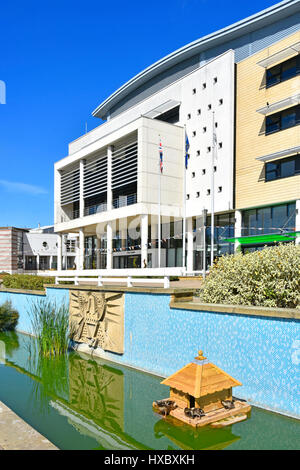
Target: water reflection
[{"x": 81, "y": 403}]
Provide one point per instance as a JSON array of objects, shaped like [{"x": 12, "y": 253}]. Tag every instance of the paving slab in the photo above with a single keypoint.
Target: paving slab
[{"x": 15, "y": 434}]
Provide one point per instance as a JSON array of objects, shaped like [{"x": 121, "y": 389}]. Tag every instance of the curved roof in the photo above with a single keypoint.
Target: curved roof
[{"x": 263, "y": 18}]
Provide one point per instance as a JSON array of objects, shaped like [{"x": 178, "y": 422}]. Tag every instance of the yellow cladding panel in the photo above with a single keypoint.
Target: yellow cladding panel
[{"x": 251, "y": 141}]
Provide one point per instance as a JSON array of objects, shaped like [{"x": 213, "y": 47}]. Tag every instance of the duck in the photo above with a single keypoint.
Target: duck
[
  {"x": 228, "y": 404},
  {"x": 194, "y": 412}
]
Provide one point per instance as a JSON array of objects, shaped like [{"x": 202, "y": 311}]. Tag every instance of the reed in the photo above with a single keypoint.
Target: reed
[{"x": 50, "y": 326}]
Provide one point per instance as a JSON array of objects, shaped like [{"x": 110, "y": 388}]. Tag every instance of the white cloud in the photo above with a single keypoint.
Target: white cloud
[{"x": 22, "y": 187}]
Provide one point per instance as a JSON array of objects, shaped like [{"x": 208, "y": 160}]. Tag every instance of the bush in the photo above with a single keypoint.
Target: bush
[
  {"x": 267, "y": 278},
  {"x": 26, "y": 281},
  {"x": 8, "y": 317}
]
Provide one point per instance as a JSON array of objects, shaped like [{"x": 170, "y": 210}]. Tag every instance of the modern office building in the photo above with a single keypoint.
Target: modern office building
[
  {"x": 34, "y": 250},
  {"x": 191, "y": 136}
]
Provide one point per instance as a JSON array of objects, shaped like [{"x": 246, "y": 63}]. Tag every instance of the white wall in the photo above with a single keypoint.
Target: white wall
[{"x": 223, "y": 68}]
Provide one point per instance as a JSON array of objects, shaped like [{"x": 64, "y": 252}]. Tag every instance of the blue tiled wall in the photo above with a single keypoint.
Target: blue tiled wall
[{"x": 22, "y": 303}]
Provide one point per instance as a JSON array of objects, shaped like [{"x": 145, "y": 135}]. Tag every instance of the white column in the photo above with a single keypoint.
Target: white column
[
  {"x": 237, "y": 228},
  {"x": 81, "y": 196},
  {"x": 98, "y": 257},
  {"x": 109, "y": 177},
  {"x": 144, "y": 240},
  {"x": 81, "y": 249},
  {"x": 59, "y": 252},
  {"x": 77, "y": 253},
  {"x": 190, "y": 245},
  {"x": 37, "y": 262},
  {"x": 298, "y": 220},
  {"x": 109, "y": 245},
  {"x": 51, "y": 262}
]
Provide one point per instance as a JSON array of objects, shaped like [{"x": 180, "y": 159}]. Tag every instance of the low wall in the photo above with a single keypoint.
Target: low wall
[{"x": 260, "y": 347}]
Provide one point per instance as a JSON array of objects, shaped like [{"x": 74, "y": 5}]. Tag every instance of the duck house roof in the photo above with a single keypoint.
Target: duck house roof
[{"x": 200, "y": 378}]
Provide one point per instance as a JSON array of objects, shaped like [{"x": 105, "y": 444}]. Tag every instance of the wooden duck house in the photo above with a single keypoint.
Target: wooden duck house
[{"x": 201, "y": 393}]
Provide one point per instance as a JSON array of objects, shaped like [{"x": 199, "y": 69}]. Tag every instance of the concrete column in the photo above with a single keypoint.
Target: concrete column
[
  {"x": 81, "y": 197},
  {"x": 51, "y": 262},
  {"x": 144, "y": 240},
  {"x": 37, "y": 262},
  {"x": 298, "y": 220},
  {"x": 237, "y": 229},
  {"x": 98, "y": 257},
  {"x": 81, "y": 249},
  {"x": 59, "y": 252},
  {"x": 109, "y": 177},
  {"x": 190, "y": 245},
  {"x": 109, "y": 235}
]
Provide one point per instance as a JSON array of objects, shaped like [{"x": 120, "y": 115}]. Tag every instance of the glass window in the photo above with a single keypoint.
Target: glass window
[
  {"x": 283, "y": 168},
  {"x": 281, "y": 72},
  {"x": 288, "y": 118},
  {"x": 287, "y": 168},
  {"x": 269, "y": 219},
  {"x": 272, "y": 123},
  {"x": 273, "y": 75},
  {"x": 283, "y": 120},
  {"x": 272, "y": 171}
]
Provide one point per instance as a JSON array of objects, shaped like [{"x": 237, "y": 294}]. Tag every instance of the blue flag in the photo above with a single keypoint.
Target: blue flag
[{"x": 187, "y": 146}]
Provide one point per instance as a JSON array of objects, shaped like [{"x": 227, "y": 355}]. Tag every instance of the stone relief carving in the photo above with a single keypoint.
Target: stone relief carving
[{"x": 97, "y": 319}]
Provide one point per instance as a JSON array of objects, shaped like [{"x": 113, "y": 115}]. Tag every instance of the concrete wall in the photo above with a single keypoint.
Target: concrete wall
[{"x": 262, "y": 352}]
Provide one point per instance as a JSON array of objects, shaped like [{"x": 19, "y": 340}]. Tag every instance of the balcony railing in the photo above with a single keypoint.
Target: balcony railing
[
  {"x": 123, "y": 201},
  {"x": 95, "y": 209}
]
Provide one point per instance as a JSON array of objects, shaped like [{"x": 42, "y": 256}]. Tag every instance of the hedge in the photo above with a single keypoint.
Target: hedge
[
  {"x": 26, "y": 281},
  {"x": 267, "y": 278}
]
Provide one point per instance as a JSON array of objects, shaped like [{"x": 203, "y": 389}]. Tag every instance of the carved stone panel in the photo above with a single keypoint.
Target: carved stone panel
[{"x": 97, "y": 319}]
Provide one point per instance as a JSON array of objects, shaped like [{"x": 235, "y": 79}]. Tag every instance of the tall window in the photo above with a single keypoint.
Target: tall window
[
  {"x": 269, "y": 219},
  {"x": 283, "y": 120},
  {"x": 281, "y": 72},
  {"x": 283, "y": 168}
]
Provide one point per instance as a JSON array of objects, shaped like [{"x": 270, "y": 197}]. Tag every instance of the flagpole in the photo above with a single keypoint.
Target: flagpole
[
  {"x": 212, "y": 230},
  {"x": 184, "y": 205},
  {"x": 159, "y": 209}
]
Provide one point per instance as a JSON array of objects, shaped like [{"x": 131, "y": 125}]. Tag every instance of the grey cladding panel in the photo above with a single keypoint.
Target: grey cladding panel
[
  {"x": 156, "y": 84},
  {"x": 244, "y": 46}
]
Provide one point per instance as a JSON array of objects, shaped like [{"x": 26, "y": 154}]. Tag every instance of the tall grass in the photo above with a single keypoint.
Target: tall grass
[{"x": 50, "y": 326}]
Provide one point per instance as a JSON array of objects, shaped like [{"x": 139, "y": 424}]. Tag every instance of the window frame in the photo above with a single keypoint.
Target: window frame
[
  {"x": 281, "y": 66},
  {"x": 278, "y": 168},
  {"x": 279, "y": 116}
]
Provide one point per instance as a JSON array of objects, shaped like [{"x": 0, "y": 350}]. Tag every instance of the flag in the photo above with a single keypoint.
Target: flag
[
  {"x": 187, "y": 146},
  {"x": 161, "y": 166}
]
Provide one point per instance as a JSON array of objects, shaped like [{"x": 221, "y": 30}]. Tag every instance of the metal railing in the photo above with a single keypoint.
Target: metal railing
[
  {"x": 123, "y": 201},
  {"x": 95, "y": 209}
]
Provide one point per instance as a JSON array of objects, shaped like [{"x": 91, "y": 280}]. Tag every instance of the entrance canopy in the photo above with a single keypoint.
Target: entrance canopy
[{"x": 264, "y": 238}]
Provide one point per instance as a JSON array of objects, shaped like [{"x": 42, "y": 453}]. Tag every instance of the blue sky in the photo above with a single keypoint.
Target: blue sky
[{"x": 60, "y": 59}]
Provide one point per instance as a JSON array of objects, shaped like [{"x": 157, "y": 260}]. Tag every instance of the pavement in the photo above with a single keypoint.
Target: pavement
[{"x": 15, "y": 434}]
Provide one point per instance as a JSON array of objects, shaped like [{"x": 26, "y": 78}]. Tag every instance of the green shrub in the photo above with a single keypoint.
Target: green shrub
[
  {"x": 8, "y": 317},
  {"x": 268, "y": 278},
  {"x": 50, "y": 326},
  {"x": 26, "y": 281}
]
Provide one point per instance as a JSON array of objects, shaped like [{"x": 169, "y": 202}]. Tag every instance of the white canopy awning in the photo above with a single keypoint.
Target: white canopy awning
[
  {"x": 286, "y": 103},
  {"x": 280, "y": 56},
  {"x": 280, "y": 154}
]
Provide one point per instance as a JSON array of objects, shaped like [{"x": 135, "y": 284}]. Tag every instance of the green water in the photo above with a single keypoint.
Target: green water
[{"x": 79, "y": 403}]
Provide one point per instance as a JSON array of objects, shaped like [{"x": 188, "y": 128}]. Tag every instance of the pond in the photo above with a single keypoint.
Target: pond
[{"x": 82, "y": 403}]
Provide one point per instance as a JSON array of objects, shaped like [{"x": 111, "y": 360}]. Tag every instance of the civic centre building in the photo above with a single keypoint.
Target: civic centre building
[{"x": 206, "y": 140}]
